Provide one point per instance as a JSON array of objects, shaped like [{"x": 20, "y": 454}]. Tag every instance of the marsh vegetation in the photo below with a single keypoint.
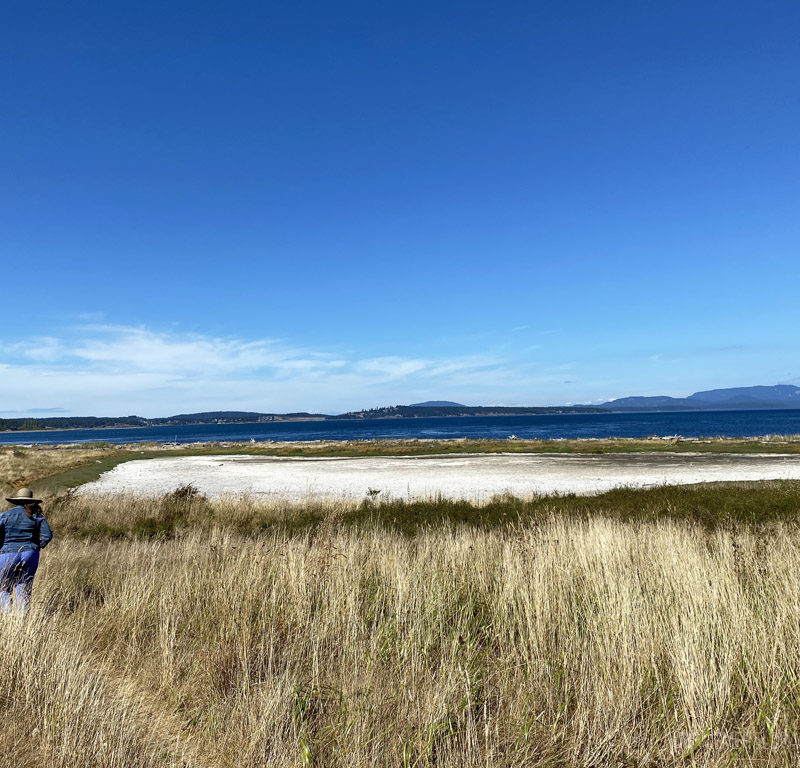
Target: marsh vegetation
[{"x": 637, "y": 628}]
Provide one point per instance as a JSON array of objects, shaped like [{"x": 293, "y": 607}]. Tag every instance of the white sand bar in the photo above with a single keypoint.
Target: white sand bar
[{"x": 469, "y": 476}]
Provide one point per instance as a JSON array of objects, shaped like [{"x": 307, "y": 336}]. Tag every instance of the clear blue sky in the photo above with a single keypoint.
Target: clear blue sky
[{"x": 326, "y": 206}]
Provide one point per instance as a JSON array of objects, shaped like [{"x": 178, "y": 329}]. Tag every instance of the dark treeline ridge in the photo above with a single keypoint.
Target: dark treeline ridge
[
  {"x": 412, "y": 411},
  {"x": 71, "y": 422},
  {"x": 29, "y": 424},
  {"x": 121, "y": 422},
  {"x": 99, "y": 422}
]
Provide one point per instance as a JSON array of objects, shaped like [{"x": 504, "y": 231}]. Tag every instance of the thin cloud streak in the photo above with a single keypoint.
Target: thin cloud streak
[
  {"x": 102, "y": 369},
  {"x": 106, "y": 369}
]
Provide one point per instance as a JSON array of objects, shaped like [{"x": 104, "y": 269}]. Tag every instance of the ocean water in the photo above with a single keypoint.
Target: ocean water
[{"x": 597, "y": 425}]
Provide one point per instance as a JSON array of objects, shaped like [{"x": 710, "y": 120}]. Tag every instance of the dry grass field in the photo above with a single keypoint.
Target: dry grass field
[
  {"x": 648, "y": 628},
  {"x": 21, "y": 465}
]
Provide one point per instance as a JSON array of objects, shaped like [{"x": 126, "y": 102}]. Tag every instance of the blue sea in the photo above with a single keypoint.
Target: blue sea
[{"x": 598, "y": 425}]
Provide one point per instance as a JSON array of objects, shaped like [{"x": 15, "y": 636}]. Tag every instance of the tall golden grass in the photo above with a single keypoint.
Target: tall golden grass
[
  {"x": 21, "y": 465},
  {"x": 562, "y": 642}
]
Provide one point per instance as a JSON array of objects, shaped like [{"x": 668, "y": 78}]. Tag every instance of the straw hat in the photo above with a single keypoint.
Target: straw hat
[{"x": 24, "y": 496}]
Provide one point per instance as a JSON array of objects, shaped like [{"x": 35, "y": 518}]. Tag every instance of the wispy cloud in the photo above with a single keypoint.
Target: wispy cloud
[
  {"x": 57, "y": 411},
  {"x": 97, "y": 368},
  {"x": 104, "y": 369}
]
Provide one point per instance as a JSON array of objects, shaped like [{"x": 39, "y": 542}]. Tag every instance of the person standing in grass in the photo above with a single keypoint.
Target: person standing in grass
[{"x": 23, "y": 532}]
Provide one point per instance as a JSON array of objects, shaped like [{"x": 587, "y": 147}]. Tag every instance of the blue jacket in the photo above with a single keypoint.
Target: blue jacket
[{"x": 20, "y": 533}]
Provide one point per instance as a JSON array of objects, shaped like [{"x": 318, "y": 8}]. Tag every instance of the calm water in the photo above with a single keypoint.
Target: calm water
[{"x": 697, "y": 424}]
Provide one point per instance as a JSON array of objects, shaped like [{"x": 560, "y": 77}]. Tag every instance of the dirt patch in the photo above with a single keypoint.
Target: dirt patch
[{"x": 464, "y": 476}]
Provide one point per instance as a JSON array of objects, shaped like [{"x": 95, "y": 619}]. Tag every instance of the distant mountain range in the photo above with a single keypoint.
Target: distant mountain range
[{"x": 733, "y": 399}]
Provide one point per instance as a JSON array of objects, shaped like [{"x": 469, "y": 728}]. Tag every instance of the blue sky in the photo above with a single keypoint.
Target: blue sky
[{"x": 327, "y": 206}]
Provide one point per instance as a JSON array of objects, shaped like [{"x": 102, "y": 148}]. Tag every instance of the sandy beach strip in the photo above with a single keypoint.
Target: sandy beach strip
[{"x": 474, "y": 476}]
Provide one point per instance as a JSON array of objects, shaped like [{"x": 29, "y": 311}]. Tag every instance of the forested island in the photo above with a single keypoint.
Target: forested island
[
  {"x": 251, "y": 417},
  {"x": 738, "y": 398},
  {"x": 417, "y": 411}
]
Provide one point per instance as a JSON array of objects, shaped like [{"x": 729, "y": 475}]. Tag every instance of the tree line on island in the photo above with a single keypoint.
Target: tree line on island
[
  {"x": 248, "y": 417},
  {"x": 737, "y": 398}
]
